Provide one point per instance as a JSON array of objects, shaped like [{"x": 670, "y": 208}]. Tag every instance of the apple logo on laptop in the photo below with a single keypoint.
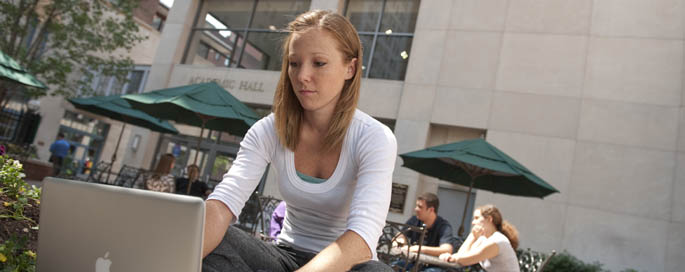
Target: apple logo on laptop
[{"x": 102, "y": 264}]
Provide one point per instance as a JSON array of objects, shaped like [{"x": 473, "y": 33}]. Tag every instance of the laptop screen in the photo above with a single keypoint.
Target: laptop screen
[{"x": 97, "y": 227}]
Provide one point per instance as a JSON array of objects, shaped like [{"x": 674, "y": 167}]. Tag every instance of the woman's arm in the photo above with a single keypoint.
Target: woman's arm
[
  {"x": 375, "y": 153},
  {"x": 171, "y": 182},
  {"x": 432, "y": 250},
  {"x": 341, "y": 255},
  {"x": 229, "y": 196},
  {"x": 466, "y": 246},
  {"x": 478, "y": 253},
  {"x": 472, "y": 239},
  {"x": 217, "y": 219}
]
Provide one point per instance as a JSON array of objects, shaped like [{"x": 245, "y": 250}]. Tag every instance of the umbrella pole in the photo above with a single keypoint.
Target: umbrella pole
[
  {"x": 199, "y": 141},
  {"x": 114, "y": 156},
  {"x": 466, "y": 206}
]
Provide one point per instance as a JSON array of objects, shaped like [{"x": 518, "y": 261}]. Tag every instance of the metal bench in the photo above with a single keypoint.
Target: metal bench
[
  {"x": 127, "y": 176},
  {"x": 255, "y": 218},
  {"x": 531, "y": 261},
  {"x": 99, "y": 172},
  {"x": 388, "y": 242}
]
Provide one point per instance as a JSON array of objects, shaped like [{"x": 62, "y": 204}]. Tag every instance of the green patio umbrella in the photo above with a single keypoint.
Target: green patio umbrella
[
  {"x": 117, "y": 108},
  {"x": 11, "y": 70},
  {"x": 206, "y": 105},
  {"x": 477, "y": 164}
]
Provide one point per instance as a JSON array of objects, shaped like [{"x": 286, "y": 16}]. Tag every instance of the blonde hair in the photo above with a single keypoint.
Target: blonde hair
[
  {"x": 286, "y": 107},
  {"x": 164, "y": 165},
  {"x": 502, "y": 226}
]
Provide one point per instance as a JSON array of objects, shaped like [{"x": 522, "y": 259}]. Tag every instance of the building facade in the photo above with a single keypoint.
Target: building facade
[
  {"x": 94, "y": 138},
  {"x": 587, "y": 94}
]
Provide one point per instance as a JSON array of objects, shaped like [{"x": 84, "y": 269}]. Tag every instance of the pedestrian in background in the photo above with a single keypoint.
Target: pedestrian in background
[{"x": 58, "y": 151}]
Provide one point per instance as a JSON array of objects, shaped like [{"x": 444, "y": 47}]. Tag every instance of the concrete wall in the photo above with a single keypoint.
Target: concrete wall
[
  {"x": 142, "y": 54},
  {"x": 51, "y": 111},
  {"x": 588, "y": 95}
]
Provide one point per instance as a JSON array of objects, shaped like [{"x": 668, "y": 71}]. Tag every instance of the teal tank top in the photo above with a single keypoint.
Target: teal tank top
[{"x": 310, "y": 179}]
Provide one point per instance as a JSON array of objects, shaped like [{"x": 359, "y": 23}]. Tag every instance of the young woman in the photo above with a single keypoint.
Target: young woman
[
  {"x": 161, "y": 180},
  {"x": 491, "y": 243},
  {"x": 334, "y": 163}
]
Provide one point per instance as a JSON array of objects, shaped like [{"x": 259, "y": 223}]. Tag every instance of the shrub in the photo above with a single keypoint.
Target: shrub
[
  {"x": 20, "y": 152},
  {"x": 15, "y": 189},
  {"x": 18, "y": 218},
  {"x": 564, "y": 261},
  {"x": 15, "y": 257}
]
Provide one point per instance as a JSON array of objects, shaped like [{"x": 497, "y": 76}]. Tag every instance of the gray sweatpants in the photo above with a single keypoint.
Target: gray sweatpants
[{"x": 239, "y": 252}]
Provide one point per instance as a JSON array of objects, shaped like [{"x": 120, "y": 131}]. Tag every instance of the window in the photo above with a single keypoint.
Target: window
[
  {"x": 398, "y": 197},
  {"x": 107, "y": 85},
  {"x": 386, "y": 29},
  {"x": 203, "y": 50},
  {"x": 135, "y": 81},
  {"x": 158, "y": 21},
  {"x": 86, "y": 137},
  {"x": 242, "y": 33},
  {"x": 12, "y": 115}
]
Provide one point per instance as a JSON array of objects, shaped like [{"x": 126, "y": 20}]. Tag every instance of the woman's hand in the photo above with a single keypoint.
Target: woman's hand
[
  {"x": 399, "y": 241},
  {"x": 341, "y": 255},
  {"x": 445, "y": 257},
  {"x": 477, "y": 231}
]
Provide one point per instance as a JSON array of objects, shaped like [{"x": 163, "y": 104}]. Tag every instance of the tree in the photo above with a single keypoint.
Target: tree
[{"x": 66, "y": 43}]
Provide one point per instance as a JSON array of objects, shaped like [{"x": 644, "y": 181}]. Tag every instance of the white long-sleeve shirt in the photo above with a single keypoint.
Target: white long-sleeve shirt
[{"x": 356, "y": 197}]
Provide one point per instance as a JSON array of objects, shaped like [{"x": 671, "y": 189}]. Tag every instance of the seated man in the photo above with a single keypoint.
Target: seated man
[
  {"x": 197, "y": 187},
  {"x": 438, "y": 239}
]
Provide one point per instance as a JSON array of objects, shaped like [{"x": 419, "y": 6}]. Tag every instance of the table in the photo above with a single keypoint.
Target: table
[{"x": 426, "y": 259}]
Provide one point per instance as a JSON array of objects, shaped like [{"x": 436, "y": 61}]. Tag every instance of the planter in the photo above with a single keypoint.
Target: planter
[{"x": 36, "y": 170}]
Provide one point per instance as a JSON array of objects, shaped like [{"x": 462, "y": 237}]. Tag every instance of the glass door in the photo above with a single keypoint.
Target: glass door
[
  {"x": 86, "y": 137},
  {"x": 222, "y": 162},
  {"x": 456, "y": 199},
  {"x": 184, "y": 152}
]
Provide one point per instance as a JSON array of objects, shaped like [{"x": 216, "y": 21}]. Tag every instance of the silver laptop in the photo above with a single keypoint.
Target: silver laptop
[{"x": 103, "y": 228}]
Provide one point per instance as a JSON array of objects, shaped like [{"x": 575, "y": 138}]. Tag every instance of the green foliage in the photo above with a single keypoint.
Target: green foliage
[
  {"x": 18, "y": 191},
  {"x": 21, "y": 152},
  {"x": 65, "y": 43},
  {"x": 11, "y": 177},
  {"x": 564, "y": 261},
  {"x": 220, "y": 165},
  {"x": 530, "y": 261},
  {"x": 14, "y": 257},
  {"x": 13, "y": 253}
]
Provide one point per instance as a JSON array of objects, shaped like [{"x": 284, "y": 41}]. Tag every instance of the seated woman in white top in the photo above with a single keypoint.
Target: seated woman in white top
[
  {"x": 491, "y": 243},
  {"x": 334, "y": 163}
]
